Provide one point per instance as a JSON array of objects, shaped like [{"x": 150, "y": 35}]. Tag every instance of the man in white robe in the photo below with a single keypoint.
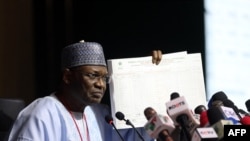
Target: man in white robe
[
  {"x": 46, "y": 119},
  {"x": 73, "y": 112}
]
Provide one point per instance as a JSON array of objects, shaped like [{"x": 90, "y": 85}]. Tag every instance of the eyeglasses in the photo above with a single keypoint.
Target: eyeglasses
[{"x": 95, "y": 76}]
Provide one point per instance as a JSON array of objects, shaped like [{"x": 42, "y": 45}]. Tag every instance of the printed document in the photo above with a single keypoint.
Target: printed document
[{"x": 137, "y": 83}]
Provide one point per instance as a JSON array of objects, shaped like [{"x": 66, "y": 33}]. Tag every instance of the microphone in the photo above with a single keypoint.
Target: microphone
[
  {"x": 247, "y": 103},
  {"x": 220, "y": 95},
  {"x": 120, "y": 116},
  {"x": 204, "y": 119},
  {"x": 229, "y": 103},
  {"x": 199, "y": 109},
  {"x": 219, "y": 127},
  {"x": 205, "y": 134},
  {"x": 109, "y": 120},
  {"x": 174, "y": 95},
  {"x": 226, "y": 108},
  {"x": 245, "y": 120},
  {"x": 217, "y": 121},
  {"x": 217, "y": 103},
  {"x": 243, "y": 113},
  {"x": 214, "y": 114},
  {"x": 222, "y": 112},
  {"x": 158, "y": 126},
  {"x": 180, "y": 113},
  {"x": 202, "y": 111}
]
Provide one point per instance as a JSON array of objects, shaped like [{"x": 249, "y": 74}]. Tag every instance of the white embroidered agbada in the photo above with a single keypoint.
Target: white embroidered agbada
[{"x": 46, "y": 119}]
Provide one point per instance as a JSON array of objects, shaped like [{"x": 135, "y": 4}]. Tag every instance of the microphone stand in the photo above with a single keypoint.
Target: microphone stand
[
  {"x": 118, "y": 132},
  {"x": 183, "y": 121},
  {"x": 129, "y": 123}
]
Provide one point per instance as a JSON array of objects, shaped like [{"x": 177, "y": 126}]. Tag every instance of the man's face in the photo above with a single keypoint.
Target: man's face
[{"x": 88, "y": 83}]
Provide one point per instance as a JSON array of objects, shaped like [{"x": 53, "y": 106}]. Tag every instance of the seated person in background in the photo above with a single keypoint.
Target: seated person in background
[{"x": 74, "y": 112}]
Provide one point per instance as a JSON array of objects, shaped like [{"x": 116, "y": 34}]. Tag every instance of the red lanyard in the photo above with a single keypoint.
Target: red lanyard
[{"x": 71, "y": 114}]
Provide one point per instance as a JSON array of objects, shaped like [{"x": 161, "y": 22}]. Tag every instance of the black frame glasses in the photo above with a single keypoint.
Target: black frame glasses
[{"x": 96, "y": 76}]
